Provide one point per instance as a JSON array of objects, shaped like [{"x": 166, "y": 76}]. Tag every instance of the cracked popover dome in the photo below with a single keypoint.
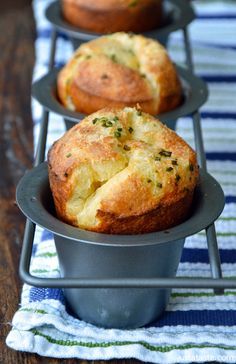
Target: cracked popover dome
[
  {"x": 120, "y": 70},
  {"x": 122, "y": 171},
  {"x": 107, "y": 16}
]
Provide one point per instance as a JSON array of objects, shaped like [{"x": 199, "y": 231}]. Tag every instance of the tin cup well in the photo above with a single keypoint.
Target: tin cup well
[
  {"x": 177, "y": 15},
  {"x": 195, "y": 94},
  {"x": 86, "y": 255}
]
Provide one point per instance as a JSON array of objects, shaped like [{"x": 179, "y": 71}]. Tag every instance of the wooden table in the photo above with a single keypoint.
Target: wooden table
[{"x": 17, "y": 34}]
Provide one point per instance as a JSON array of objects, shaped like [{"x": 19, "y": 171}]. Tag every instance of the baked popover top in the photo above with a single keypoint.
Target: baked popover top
[
  {"x": 108, "y": 16},
  {"x": 122, "y": 171},
  {"x": 106, "y": 4},
  {"x": 120, "y": 70}
]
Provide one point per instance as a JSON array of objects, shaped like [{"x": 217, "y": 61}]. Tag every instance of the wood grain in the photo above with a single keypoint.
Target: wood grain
[{"x": 17, "y": 35}]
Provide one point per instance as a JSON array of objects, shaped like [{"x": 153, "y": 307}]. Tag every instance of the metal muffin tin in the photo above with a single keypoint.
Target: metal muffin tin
[
  {"x": 195, "y": 94},
  {"x": 217, "y": 282},
  {"x": 86, "y": 258},
  {"x": 177, "y": 15}
]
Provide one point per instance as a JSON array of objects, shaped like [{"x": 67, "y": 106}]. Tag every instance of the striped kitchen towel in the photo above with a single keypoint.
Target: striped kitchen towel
[{"x": 198, "y": 326}]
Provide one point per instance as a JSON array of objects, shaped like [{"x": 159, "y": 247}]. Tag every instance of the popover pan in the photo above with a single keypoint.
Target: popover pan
[
  {"x": 195, "y": 94},
  {"x": 177, "y": 15},
  {"x": 86, "y": 254}
]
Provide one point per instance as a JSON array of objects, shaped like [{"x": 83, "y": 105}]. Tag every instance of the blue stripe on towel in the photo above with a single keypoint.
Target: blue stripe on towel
[
  {"x": 230, "y": 199},
  {"x": 201, "y": 255},
  {"x": 40, "y": 294},
  {"x": 221, "y": 156},
  {"x": 219, "y": 78},
  {"x": 216, "y": 17},
  {"x": 46, "y": 33},
  {"x": 218, "y": 115},
  {"x": 197, "y": 317},
  {"x": 47, "y": 235}
]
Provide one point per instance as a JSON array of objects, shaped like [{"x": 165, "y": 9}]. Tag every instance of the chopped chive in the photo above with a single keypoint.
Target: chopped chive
[
  {"x": 139, "y": 112},
  {"x": 102, "y": 119},
  {"x": 165, "y": 153},
  {"x": 68, "y": 155},
  {"x": 119, "y": 129},
  {"x": 149, "y": 180},
  {"x": 143, "y": 75},
  {"x": 107, "y": 123},
  {"x": 133, "y": 3},
  {"x": 117, "y": 134},
  {"x": 68, "y": 82},
  {"x": 95, "y": 120},
  {"x": 114, "y": 58},
  {"x": 88, "y": 56},
  {"x": 174, "y": 162},
  {"x": 159, "y": 185},
  {"x": 77, "y": 56},
  {"x": 169, "y": 169},
  {"x": 131, "y": 130},
  {"x": 177, "y": 177},
  {"x": 126, "y": 147},
  {"x": 131, "y": 51},
  {"x": 116, "y": 118},
  {"x": 191, "y": 167},
  {"x": 156, "y": 158}
]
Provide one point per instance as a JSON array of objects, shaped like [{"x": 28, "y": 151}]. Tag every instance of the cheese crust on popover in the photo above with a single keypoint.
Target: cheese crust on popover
[
  {"x": 120, "y": 70},
  {"x": 108, "y": 16},
  {"x": 121, "y": 171}
]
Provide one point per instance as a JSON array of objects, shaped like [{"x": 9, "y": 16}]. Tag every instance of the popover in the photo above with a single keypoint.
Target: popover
[
  {"x": 121, "y": 171},
  {"x": 120, "y": 70},
  {"x": 107, "y": 16}
]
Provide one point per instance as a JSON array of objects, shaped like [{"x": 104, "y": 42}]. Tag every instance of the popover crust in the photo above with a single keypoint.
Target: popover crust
[
  {"x": 108, "y": 16},
  {"x": 120, "y": 70},
  {"x": 122, "y": 171}
]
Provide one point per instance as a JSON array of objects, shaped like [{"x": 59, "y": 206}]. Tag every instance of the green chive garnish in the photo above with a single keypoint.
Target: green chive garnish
[
  {"x": 165, "y": 153},
  {"x": 177, "y": 177},
  {"x": 107, "y": 123},
  {"x": 169, "y": 169},
  {"x": 117, "y": 134},
  {"x": 131, "y": 130},
  {"x": 174, "y": 162},
  {"x": 149, "y": 181},
  {"x": 114, "y": 58},
  {"x": 68, "y": 155},
  {"x": 191, "y": 167},
  {"x": 156, "y": 158},
  {"x": 159, "y": 185},
  {"x": 133, "y": 3},
  {"x": 126, "y": 147}
]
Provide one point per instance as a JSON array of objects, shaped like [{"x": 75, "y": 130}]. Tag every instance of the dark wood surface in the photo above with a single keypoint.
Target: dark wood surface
[{"x": 17, "y": 34}]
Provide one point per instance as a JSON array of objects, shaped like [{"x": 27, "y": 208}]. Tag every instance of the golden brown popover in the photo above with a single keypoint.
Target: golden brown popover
[
  {"x": 120, "y": 70},
  {"x": 107, "y": 16},
  {"x": 122, "y": 171}
]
